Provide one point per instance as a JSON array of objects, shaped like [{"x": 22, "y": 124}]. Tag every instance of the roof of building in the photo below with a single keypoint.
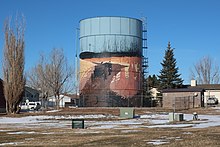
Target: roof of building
[
  {"x": 182, "y": 90},
  {"x": 197, "y": 88},
  {"x": 207, "y": 86},
  {"x": 31, "y": 90}
]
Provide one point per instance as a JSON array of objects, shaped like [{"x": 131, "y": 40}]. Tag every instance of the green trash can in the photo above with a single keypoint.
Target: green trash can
[{"x": 77, "y": 123}]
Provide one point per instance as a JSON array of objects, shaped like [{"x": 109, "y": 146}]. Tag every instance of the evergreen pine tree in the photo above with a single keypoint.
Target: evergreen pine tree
[
  {"x": 153, "y": 81},
  {"x": 169, "y": 77}
]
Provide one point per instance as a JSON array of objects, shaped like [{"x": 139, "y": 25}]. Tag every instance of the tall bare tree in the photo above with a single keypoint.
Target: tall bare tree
[
  {"x": 53, "y": 75},
  {"x": 206, "y": 71},
  {"x": 13, "y": 63}
]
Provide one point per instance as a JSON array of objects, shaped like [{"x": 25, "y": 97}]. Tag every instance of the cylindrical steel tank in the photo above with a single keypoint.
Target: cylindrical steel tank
[{"x": 110, "y": 61}]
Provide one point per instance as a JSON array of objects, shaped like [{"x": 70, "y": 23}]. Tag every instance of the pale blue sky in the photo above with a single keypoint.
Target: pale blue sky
[{"x": 192, "y": 27}]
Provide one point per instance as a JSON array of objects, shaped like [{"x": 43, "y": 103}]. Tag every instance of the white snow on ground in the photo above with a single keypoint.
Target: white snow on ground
[
  {"x": 5, "y": 130},
  {"x": 104, "y": 127},
  {"x": 207, "y": 121},
  {"x": 53, "y": 111},
  {"x": 147, "y": 120},
  {"x": 83, "y": 116},
  {"x": 130, "y": 131},
  {"x": 93, "y": 126},
  {"x": 158, "y": 121},
  {"x": 187, "y": 133},
  {"x": 28, "y": 119},
  {"x": 87, "y": 131},
  {"x": 157, "y": 142},
  {"x": 23, "y": 132},
  {"x": 34, "y": 119},
  {"x": 171, "y": 126},
  {"x": 32, "y": 132},
  {"x": 154, "y": 116},
  {"x": 213, "y": 120},
  {"x": 29, "y": 139},
  {"x": 119, "y": 124},
  {"x": 10, "y": 143},
  {"x": 162, "y": 140}
]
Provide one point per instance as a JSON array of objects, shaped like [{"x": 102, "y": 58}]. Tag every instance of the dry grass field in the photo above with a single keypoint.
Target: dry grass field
[{"x": 125, "y": 135}]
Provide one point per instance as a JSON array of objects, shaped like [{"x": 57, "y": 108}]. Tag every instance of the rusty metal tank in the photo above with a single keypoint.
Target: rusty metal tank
[{"x": 110, "y": 62}]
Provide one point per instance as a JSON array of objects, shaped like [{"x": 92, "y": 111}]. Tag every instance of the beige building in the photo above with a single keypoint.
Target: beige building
[
  {"x": 210, "y": 90},
  {"x": 183, "y": 98},
  {"x": 191, "y": 96}
]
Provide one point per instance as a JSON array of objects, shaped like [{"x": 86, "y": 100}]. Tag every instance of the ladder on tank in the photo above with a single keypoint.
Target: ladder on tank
[{"x": 144, "y": 59}]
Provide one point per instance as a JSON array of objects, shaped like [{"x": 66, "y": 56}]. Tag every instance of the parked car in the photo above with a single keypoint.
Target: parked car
[
  {"x": 212, "y": 101},
  {"x": 30, "y": 106}
]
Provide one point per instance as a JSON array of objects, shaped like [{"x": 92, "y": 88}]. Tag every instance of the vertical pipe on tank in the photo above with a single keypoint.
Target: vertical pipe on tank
[{"x": 76, "y": 63}]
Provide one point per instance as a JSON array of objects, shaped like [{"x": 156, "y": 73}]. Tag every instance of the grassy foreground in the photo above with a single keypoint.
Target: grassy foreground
[{"x": 125, "y": 136}]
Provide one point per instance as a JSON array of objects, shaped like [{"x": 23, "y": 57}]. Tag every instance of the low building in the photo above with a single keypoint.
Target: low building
[
  {"x": 74, "y": 100},
  {"x": 30, "y": 94},
  {"x": 2, "y": 98},
  {"x": 184, "y": 98},
  {"x": 210, "y": 91},
  {"x": 66, "y": 100},
  {"x": 191, "y": 96}
]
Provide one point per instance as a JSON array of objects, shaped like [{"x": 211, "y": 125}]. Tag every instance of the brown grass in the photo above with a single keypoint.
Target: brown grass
[{"x": 114, "y": 137}]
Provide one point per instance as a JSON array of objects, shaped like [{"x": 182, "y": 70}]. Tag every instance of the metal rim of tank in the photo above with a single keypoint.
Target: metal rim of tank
[{"x": 110, "y": 17}]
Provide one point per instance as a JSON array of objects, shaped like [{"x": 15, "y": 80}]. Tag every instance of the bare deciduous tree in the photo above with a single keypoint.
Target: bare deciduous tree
[
  {"x": 52, "y": 75},
  {"x": 13, "y": 64},
  {"x": 36, "y": 80},
  {"x": 206, "y": 71}
]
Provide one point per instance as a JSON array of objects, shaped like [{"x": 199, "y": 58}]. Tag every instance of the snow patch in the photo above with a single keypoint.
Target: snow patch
[
  {"x": 147, "y": 120},
  {"x": 46, "y": 133},
  {"x": 130, "y": 131},
  {"x": 157, "y": 142},
  {"x": 171, "y": 126},
  {"x": 29, "y": 139},
  {"x": 53, "y": 111},
  {"x": 104, "y": 127},
  {"x": 187, "y": 133},
  {"x": 11, "y": 143},
  {"x": 5, "y": 130},
  {"x": 21, "y": 132},
  {"x": 81, "y": 131}
]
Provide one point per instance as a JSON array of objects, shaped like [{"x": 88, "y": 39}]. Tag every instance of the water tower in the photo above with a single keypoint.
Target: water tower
[{"x": 111, "y": 54}]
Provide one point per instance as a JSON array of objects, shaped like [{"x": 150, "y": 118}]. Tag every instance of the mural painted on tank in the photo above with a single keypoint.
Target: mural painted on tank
[{"x": 110, "y": 81}]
